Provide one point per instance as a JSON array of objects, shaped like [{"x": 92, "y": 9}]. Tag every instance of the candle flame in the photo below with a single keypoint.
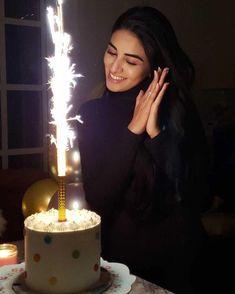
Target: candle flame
[{"x": 5, "y": 253}]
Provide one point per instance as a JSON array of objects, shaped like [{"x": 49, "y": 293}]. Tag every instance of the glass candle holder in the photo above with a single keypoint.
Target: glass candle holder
[{"x": 8, "y": 254}]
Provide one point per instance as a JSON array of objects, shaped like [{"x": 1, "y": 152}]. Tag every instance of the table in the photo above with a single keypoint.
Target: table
[{"x": 140, "y": 286}]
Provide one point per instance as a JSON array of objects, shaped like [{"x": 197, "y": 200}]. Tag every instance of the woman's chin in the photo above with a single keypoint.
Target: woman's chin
[{"x": 116, "y": 87}]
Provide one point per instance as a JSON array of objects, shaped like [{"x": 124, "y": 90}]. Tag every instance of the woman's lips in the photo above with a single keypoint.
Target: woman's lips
[{"x": 115, "y": 79}]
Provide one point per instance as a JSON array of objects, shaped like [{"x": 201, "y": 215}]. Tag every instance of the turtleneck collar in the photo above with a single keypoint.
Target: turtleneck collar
[{"x": 129, "y": 94}]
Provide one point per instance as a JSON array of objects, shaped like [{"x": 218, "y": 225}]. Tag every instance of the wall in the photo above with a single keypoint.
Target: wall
[{"x": 206, "y": 31}]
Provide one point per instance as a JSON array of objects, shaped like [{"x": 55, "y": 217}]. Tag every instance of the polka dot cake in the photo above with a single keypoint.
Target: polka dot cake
[{"x": 62, "y": 257}]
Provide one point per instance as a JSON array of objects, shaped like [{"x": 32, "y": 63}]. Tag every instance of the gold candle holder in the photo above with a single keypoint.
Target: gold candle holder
[{"x": 61, "y": 200}]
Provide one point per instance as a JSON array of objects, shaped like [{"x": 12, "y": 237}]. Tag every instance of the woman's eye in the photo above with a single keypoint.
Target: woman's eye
[
  {"x": 111, "y": 52},
  {"x": 131, "y": 62}
]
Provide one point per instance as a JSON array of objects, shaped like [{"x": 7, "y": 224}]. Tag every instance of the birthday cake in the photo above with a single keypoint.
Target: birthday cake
[{"x": 62, "y": 257}]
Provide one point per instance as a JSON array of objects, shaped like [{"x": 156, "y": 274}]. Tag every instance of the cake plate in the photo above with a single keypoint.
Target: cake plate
[{"x": 115, "y": 278}]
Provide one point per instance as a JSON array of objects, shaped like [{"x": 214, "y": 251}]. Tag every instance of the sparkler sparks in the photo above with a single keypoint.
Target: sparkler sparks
[{"x": 62, "y": 81}]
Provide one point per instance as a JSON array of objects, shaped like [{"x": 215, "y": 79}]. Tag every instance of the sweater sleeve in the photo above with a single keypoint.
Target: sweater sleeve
[
  {"x": 107, "y": 166},
  {"x": 157, "y": 147}
]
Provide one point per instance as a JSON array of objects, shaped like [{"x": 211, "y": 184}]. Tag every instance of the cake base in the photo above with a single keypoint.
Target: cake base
[
  {"x": 62, "y": 257},
  {"x": 102, "y": 285}
]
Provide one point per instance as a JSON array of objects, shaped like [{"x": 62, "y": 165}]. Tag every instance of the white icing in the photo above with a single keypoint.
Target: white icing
[{"x": 76, "y": 220}]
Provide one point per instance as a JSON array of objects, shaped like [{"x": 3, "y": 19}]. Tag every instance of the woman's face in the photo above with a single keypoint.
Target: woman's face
[{"x": 125, "y": 61}]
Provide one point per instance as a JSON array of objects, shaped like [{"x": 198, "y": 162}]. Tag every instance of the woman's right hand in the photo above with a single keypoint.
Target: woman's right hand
[{"x": 147, "y": 104}]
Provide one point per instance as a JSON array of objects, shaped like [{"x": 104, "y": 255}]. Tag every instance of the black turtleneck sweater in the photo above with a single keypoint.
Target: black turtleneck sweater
[{"x": 145, "y": 223}]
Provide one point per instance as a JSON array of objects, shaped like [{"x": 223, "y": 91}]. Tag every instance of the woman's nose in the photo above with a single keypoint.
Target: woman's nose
[{"x": 117, "y": 66}]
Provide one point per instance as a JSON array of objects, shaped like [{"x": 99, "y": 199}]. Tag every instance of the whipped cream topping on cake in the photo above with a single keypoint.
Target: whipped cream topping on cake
[{"x": 76, "y": 220}]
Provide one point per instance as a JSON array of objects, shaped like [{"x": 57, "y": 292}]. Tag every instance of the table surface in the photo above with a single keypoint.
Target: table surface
[{"x": 140, "y": 286}]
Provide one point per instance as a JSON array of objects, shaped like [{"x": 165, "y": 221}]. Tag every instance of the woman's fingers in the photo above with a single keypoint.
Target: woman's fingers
[
  {"x": 153, "y": 84},
  {"x": 152, "y": 127},
  {"x": 138, "y": 98},
  {"x": 163, "y": 76},
  {"x": 156, "y": 84},
  {"x": 160, "y": 94}
]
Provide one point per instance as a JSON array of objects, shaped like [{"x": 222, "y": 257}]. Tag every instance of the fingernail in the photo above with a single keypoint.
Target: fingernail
[
  {"x": 155, "y": 74},
  {"x": 166, "y": 69}
]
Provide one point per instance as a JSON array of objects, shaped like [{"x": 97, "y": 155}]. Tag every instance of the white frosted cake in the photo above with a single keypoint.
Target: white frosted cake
[{"x": 62, "y": 257}]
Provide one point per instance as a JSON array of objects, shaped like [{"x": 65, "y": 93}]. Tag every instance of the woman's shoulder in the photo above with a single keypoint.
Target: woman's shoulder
[
  {"x": 90, "y": 103},
  {"x": 90, "y": 106}
]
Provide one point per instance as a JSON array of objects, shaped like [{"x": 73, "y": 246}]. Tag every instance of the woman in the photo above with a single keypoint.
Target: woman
[{"x": 142, "y": 152}]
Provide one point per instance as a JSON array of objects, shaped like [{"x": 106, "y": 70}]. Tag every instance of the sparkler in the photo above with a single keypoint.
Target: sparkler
[{"x": 62, "y": 81}]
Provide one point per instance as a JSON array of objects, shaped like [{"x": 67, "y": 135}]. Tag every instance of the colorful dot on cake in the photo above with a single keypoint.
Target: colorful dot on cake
[
  {"x": 76, "y": 254},
  {"x": 96, "y": 267},
  {"x": 36, "y": 257},
  {"x": 52, "y": 281},
  {"x": 47, "y": 239}
]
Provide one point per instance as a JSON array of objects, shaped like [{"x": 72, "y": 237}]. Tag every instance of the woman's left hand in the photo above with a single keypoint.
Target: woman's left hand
[
  {"x": 152, "y": 127},
  {"x": 145, "y": 115}
]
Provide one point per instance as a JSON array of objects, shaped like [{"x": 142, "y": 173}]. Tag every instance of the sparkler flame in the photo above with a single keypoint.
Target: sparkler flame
[{"x": 62, "y": 81}]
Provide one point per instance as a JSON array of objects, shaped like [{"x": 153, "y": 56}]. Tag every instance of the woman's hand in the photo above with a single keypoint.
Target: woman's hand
[
  {"x": 147, "y": 105},
  {"x": 152, "y": 126}
]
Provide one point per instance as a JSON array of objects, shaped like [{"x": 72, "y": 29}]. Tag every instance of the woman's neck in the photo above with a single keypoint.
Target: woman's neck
[{"x": 129, "y": 94}]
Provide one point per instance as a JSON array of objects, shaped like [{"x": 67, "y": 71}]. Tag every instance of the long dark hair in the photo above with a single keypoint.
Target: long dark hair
[
  {"x": 178, "y": 114},
  {"x": 163, "y": 50}
]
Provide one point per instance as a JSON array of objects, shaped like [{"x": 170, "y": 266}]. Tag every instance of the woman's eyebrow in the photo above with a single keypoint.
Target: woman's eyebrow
[{"x": 128, "y": 54}]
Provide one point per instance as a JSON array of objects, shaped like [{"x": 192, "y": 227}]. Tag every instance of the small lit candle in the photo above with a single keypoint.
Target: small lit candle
[{"x": 8, "y": 254}]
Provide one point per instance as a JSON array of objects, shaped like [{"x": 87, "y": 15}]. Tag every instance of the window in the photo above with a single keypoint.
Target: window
[{"x": 23, "y": 84}]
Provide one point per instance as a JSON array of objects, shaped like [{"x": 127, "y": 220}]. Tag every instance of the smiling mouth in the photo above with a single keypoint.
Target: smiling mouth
[{"x": 115, "y": 78}]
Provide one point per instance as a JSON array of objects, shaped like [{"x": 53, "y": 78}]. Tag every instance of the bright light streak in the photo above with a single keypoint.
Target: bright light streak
[
  {"x": 75, "y": 205},
  {"x": 76, "y": 156},
  {"x": 5, "y": 253},
  {"x": 63, "y": 79}
]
